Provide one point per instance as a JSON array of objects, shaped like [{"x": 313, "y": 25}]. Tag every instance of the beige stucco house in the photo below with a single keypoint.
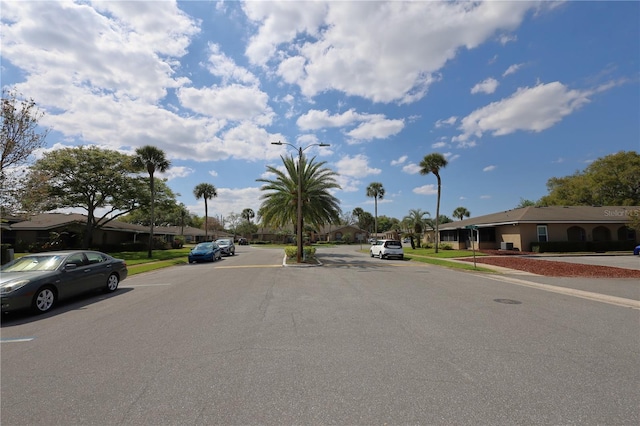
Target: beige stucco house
[{"x": 519, "y": 229}]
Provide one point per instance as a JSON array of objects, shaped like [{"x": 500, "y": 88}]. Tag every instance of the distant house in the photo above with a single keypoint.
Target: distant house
[
  {"x": 346, "y": 233},
  {"x": 69, "y": 228},
  {"x": 522, "y": 228}
]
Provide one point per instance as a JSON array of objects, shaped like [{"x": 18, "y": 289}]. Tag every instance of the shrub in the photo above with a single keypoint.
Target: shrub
[
  {"x": 307, "y": 252},
  {"x": 445, "y": 246}
]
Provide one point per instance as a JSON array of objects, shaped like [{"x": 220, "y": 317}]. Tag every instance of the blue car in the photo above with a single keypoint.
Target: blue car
[
  {"x": 636, "y": 250},
  {"x": 205, "y": 252}
]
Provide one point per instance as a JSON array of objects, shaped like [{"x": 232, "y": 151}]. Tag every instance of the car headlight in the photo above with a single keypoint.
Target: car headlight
[{"x": 12, "y": 286}]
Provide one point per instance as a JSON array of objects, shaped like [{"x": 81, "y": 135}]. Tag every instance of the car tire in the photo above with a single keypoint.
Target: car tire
[
  {"x": 43, "y": 300},
  {"x": 380, "y": 255},
  {"x": 233, "y": 253},
  {"x": 371, "y": 253},
  {"x": 112, "y": 283}
]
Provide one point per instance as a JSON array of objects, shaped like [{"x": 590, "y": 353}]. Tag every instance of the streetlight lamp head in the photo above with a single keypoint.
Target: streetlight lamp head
[
  {"x": 324, "y": 144},
  {"x": 276, "y": 143}
]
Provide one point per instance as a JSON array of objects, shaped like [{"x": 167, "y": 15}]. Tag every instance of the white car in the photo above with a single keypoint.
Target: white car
[{"x": 385, "y": 249}]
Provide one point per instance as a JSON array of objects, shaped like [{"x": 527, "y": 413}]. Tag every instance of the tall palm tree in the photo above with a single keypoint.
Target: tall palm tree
[
  {"x": 248, "y": 214},
  {"x": 416, "y": 221},
  {"x": 432, "y": 163},
  {"x": 152, "y": 160},
  {"x": 206, "y": 191},
  {"x": 461, "y": 213},
  {"x": 375, "y": 190},
  {"x": 358, "y": 212},
  {"x": 280, "y": 199}
]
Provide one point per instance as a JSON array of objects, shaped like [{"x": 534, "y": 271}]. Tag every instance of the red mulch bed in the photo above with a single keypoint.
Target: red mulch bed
[{"x": 552, "y": 268}]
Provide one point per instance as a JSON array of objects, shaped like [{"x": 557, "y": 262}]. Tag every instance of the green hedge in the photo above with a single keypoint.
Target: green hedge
[
  {"x": 581, "y": 246},
  {"x": 308, "y": 252}
]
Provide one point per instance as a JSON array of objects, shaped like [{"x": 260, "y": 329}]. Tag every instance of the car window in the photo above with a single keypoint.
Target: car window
[
  {"x": 94, "y": 258},
  {"x": 204, "y": 246},
  {"x": 33, "y": 263},
  {"x": 393, "y": 244},
  {"x": 75, "y": 259},
  {"x": 224, "y": 242}
]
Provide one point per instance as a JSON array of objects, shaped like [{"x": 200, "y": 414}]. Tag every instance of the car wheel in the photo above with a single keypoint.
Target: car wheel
[
  {"x": 233, "y": 253},
  {"x": 371, "y": 253},
  {"x": 112, "y": 283},
  {"x": 380, "y": 255},
  {"x": 44, "y": 300}
]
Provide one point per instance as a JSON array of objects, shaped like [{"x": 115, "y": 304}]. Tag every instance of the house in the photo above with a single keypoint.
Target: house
[
  {"x": 346, "y": 233},
  {"x": 583, "y": 228},
  {"x": 68, "y": 229}
]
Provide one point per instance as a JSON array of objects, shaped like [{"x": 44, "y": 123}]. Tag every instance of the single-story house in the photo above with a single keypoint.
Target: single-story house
[
  {"x": 521, "y": 229},
  {"x": 69, "y": 228},
  {"x": 341, "y": 233}
]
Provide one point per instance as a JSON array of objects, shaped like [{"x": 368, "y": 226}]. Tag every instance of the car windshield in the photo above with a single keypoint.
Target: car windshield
[
  {"x": 224, "y": 242},
  {"x": 204, "y": 246},
  {"x": 34, "y": 263},
  {"x": 393, "y": 244}
]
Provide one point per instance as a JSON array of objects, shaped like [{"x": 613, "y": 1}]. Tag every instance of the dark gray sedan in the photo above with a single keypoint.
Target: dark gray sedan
[{"x": 38, "y": 281}]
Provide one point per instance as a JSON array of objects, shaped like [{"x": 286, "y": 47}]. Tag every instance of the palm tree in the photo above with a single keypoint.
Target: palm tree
[
  {"x": 153, "y": 160},
  {"x": 461, "y": 213},
  {"x": 206, "y": 191},
  {"x": 375, "y": 190},
  {"x": 432, "y": 163},
  {"x": 358, "y": 212},
  {"x": 248, "y": 214},
  {"x": 280, "y": 200},
  {"x": 416, "y": 222}
]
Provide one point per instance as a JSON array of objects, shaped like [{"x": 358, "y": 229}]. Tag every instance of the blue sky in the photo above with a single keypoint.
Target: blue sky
[{"x": 512, "y": 93}]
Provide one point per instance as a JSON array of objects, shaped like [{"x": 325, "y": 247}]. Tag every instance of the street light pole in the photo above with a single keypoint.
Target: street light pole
[{"x": 299, "y": 213}]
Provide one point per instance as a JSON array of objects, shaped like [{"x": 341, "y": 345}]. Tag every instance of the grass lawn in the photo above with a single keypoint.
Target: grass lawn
[
  {"x": 138, "y": 262},
  {"x": 442, "y": 254}
]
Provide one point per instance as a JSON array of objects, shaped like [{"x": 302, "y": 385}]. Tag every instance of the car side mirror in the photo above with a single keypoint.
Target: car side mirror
[{"x": 69, "y": 266}]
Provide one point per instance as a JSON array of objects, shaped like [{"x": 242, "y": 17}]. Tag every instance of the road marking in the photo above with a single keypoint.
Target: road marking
[
  {"x": 17, "y": 340},
  {"x": 144, "y": 285},
  {"x": 612, "y": 300},
  {"x": 247, "y": 266}
]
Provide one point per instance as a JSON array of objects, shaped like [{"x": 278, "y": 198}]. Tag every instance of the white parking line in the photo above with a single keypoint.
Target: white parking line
[
  {"x": 144, "y": 285},
  {"x": 17, "y": 340}
]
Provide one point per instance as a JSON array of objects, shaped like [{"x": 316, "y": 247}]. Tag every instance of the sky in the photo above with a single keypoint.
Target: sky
[{"x": 512, "y": 93}]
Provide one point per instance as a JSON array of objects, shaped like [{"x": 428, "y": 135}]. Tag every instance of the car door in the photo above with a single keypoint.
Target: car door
[
  {"x": 98, "y": 269},
  {"x": 74, "y": 276}
]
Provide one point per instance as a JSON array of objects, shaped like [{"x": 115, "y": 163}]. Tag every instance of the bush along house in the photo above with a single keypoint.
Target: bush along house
[{"x": 547, "y": 229}]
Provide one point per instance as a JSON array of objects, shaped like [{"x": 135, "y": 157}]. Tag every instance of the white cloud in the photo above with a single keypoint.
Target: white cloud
[
  {"x": 356, "y": 166},
  {"x": 320, "y": 47},
  {"x": 224, "y": 67},
  {"x": 426, "y": 190},
  {"x": 448, "y": 122},
  {"x": 487, "y": 86},
  {"x": 177, "y": 172},
  {"x": 370, "y": 126},
  {"x": 485, "y": 197},
  {"x": 233, "y": 102},
  {"x": 507, "y": 38},
  {"x": 213, "y": 173},
  {"x": 438, "y": 145},
  {"x": 529, "y": 109},
  {"x": 512, "y": 69},
  {"x": 489, "y": 168},
  {"x": 229, "y": 200},
  {"x": 412, "y": 168},
  {"x": 399, "y": 161}
]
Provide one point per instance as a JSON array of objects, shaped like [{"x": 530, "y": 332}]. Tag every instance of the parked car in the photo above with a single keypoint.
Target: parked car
[
  {"x": 243, "y": 242},
  {"x": 227, "y": 246},
  {"x": 205, "y": 252},
  {"x": 39, "y": 281},
  {"x": 636, "y": 250},
  {"x": 385, "y": 249}
]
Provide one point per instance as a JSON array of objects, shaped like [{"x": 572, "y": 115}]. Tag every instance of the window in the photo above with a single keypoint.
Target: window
[
  {"x": 487, "y": 234},
  {"x": 449, "y": 236},
  {"x": 543, "y": 236},
  {"x": 576, "y": 233}
]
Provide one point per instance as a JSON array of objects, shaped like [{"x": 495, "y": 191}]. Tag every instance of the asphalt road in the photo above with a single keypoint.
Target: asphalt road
[{"x": 358, "y": 341}]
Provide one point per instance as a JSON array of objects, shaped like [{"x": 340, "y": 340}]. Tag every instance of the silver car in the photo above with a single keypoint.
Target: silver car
[{"x": 227, "y": 246}]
